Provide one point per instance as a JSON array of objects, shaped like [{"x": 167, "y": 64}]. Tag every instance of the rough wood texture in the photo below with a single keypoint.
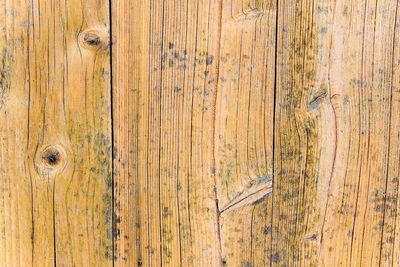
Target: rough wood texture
[
  {"x": 210, "y": 133},
  {"x": 299, "y": 99},
  {"x": 55, "y": 134},
  {"x": 166, "y": 209},
  {"x": 244, "y": 130},
  {"x": 360, "y": 221}
]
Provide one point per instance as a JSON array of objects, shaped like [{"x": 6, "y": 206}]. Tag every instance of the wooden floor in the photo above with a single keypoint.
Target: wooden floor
[{"x": 199, "y": 133}]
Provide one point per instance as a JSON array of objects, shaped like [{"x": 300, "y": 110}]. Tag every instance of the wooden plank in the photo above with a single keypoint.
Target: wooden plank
[
  {"x": 361, "y": 211},
  {"x": 335, "y": 184},
  {"x": 164, "y": 84},
  {"x": 390, "y": 244},
  {"x": 294, "y": 227},
  {"x": 244, "y": 130},
  {"x": 55, "y": 136}
]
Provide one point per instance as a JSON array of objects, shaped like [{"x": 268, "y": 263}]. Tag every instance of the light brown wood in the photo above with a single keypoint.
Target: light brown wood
[
  {"x": 55, "y": 135},
  {"x": 182, "y": 142},
  {"x": 294, "y": 227},
  {"x": 361, "y": 213},
  {"x": 304, "y": 132},
  {"x": 199, "y": 133},
  {"x": 244, "y": 130},
  {"x": 166, "y": 75}
]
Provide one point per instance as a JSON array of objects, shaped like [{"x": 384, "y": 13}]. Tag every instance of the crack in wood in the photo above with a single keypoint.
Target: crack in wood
[{"x": 249, "y": 197}]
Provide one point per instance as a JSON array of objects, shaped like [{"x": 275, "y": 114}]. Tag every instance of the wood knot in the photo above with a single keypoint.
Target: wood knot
[
  {"x": 50, "y": 158},
  {"x": 94, "y": 39}
]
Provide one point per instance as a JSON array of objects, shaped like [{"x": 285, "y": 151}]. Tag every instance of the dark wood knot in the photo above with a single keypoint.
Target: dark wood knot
[
  {"x": 92, "y": 39},
  {"x": 95, "y": 39},
  {"x": 50, "y": 158}
]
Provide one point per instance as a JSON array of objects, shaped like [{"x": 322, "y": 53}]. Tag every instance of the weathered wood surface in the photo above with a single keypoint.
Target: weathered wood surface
[
  {"x": 199, "y": 133},
  {"x": 55, "y": 134}
]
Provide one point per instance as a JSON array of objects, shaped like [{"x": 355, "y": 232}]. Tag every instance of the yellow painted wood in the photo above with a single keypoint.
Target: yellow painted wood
[{"x": 55, "y": 135}]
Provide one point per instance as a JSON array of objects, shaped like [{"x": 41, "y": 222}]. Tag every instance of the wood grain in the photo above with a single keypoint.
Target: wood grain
[
  {"x": 199, "y": 133},
  {"x": 360, "y": 218},
  {"x": 244, "y": 130},
  {"x": 182, "y": 151},
  {"x": 294, "y": 236},
  {"x": 55, "y": 135},
  {"x": 164, "y": 108},
  {"x": 293, "y": 130}
]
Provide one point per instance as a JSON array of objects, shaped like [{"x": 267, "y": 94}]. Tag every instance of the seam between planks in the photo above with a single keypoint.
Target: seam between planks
[{"x": 113, "y": 225}]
